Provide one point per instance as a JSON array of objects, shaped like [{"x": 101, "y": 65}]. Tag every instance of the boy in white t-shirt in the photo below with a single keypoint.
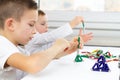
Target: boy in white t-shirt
[
  {"x": 17, "y": 20},
  {"x": 43, "y": 39}
]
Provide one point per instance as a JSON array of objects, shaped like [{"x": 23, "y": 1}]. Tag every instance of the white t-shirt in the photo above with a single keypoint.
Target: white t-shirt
[
  {"x": 45, "y": 40},
  {"x": 6, "y": 50}
]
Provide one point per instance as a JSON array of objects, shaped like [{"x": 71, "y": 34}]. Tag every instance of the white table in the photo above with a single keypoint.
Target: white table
[{"x": 66, "y": 69}]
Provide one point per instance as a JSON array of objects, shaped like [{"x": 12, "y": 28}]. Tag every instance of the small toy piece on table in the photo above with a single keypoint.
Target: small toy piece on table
[
  {"x": 101, "y": 65},
  {"x": 78, "y": 58}
]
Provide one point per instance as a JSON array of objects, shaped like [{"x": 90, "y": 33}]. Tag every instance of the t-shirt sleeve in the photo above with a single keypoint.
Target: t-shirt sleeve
[{"x": 6, "y": 50}]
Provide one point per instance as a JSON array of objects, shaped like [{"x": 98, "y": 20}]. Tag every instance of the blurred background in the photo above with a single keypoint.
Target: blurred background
[{"x": 102, "y": 17}]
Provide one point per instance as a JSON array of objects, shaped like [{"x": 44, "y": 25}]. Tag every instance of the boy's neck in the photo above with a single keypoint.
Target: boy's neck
[{"x": 6, "y": 35}]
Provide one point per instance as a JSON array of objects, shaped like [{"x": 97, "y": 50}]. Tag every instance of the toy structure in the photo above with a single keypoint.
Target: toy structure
[
  {"x": 78, "y": 58},
  {"x": 101, "y": 65}
]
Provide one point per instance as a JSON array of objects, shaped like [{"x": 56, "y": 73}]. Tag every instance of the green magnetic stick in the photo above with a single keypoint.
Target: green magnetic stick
[
  {"x": 83, "y": 25},
  {"x": 78, "y": 41}
]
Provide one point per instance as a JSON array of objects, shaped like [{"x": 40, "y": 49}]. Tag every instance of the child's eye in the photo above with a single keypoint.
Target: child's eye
[
  {"x": 31, "y": 25},
  {"x": 43, "y": 24}
]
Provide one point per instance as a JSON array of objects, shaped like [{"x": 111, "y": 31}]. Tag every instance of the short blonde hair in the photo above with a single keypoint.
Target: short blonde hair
[{"x": 14, "y": 9}]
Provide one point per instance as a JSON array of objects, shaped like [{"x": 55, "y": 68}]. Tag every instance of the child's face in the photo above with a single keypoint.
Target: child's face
[
  {"x": 25, "y": 29},
  {"x": 41, "y": 24}
]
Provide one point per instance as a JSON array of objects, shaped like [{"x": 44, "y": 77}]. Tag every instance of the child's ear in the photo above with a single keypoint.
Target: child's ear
[{"x": 9, "y": 24}]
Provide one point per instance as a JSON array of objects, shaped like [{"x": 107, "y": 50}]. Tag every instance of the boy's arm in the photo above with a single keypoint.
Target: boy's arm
[
  {"x": 61, "y": 32},
  {"x": 37, "y": 62}
]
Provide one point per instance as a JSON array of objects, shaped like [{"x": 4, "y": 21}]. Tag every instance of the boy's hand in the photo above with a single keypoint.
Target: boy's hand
[
  {"x": 85, "y": 37},
  {"x": 81, "y": 42},
  {"x": 72, "y": 48},
  {"x": 61, "y": 44},
  {"x": 77, "y": 20},
  {"x": 74, "y": 45}
]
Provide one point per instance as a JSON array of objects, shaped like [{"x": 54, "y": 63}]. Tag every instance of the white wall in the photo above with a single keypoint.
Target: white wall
[{"x": 104, "y": 25}]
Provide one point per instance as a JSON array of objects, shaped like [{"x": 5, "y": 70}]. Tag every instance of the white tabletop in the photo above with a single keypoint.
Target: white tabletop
[{"x": 66, "y": 69}]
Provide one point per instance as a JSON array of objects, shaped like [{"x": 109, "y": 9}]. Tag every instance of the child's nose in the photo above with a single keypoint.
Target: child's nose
[
  {"x": 46, "y": 25},
  {"x": 34, "y": 31}
]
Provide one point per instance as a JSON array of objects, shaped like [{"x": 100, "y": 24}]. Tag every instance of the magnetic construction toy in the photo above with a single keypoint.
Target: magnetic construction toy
[
  {"x": 97, "y": 53},
  {"x": 78, "y": 56},
  {"x": 101, "y": 65}
]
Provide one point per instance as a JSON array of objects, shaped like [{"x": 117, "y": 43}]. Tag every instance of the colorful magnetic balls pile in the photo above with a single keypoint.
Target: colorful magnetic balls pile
[{"x": 97, "y": 53}]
